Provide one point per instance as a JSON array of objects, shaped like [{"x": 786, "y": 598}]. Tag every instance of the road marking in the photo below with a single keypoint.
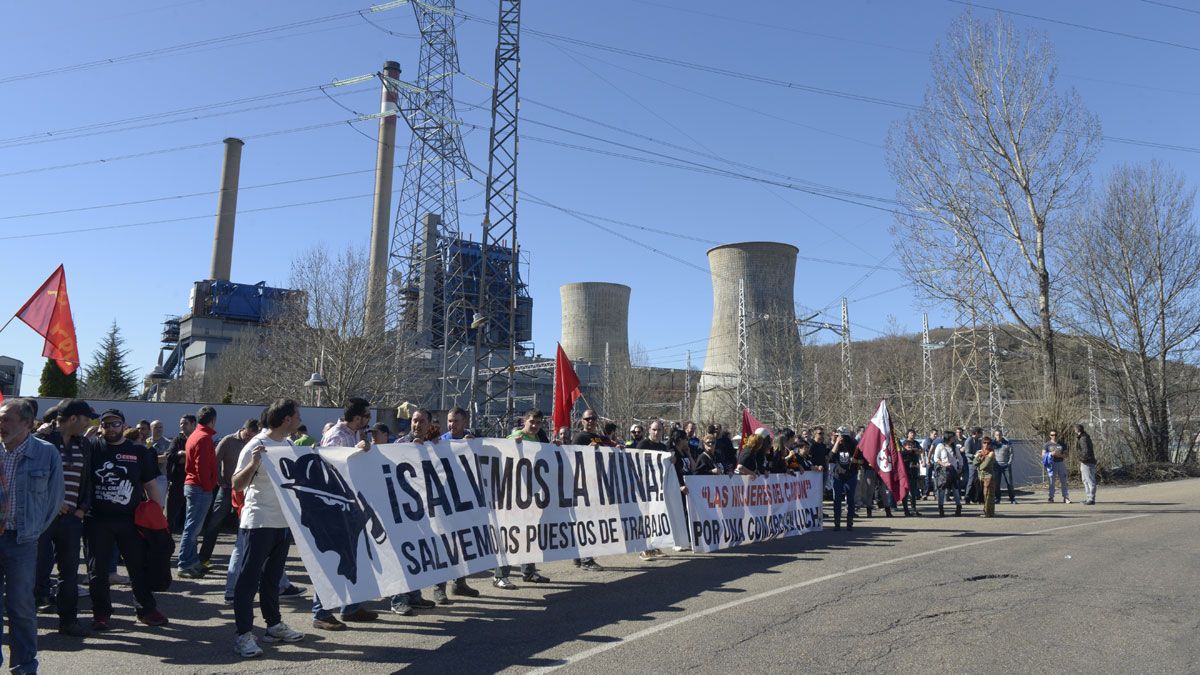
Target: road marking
[{"x": 667, "y": 625}]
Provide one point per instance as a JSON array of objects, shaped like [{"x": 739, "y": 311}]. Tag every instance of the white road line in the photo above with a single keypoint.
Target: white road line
[{"x": 668, "y": 625}]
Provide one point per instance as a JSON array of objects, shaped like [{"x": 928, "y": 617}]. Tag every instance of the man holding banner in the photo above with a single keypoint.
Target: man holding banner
[
  {"x": 265, "y": 535},
  {"x": 530, "y": 425}
]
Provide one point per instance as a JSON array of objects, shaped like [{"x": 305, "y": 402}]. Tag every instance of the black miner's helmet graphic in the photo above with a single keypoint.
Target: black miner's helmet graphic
[{"x": 333, "y": 515}]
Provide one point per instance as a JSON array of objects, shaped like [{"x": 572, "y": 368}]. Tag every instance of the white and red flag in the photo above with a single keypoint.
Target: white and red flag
[{"x": 878, "y": 445}]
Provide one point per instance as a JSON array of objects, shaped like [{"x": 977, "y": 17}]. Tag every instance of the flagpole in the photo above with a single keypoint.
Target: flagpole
[{"x": 10, "y": 320}]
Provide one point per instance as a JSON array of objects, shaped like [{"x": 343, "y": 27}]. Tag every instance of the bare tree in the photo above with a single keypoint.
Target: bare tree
[
  {"x": 322, "y": 330},
  {"x": 1136, "y": 286},
  {"x": 986, "y": 170}
]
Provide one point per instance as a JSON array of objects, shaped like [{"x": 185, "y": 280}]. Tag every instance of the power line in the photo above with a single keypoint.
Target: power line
[
  {"x": 1167, "y": 4},
  {"x": 824, "y": 91},
  {"x": 36, "y": 235},
  {"x": 1094, "y": 29},
  {"x": 160, "y": 119},
  {"x": 195, "y": 44},
  {"x": 152, "y": 200},
  {"x": 163, "y": 151}
]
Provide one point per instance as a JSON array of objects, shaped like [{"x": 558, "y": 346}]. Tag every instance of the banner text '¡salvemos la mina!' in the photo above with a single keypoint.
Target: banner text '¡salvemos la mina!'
[{"x": 505, "y": 482}]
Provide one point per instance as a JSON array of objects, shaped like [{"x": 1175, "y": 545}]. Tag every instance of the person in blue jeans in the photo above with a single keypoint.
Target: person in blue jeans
[
  {"x": 845, "y": 460},
  {"x": 31, "y": 496},
  {"x": 1004, "y": 469},
  {"x": 1054, "y": 458},
  {"x": 201, "y": 480},
  {"x": 947, "y": 464}
]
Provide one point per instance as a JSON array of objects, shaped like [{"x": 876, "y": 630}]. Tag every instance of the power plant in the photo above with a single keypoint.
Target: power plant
[
  {"x": 456, "y": 312},
  {"x": 595, "y": 322},
  {"x": 753, "y": 338}
]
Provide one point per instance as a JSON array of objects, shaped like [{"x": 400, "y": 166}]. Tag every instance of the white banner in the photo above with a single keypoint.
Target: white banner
[
  {"x": 405, "y": 516},
  {"x": 728, "y": 511}
]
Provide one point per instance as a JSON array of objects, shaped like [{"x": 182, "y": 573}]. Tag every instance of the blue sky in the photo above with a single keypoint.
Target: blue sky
[{"x": 1141, "y": 89}]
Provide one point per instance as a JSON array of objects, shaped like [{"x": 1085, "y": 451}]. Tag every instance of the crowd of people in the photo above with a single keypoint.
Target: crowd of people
[{"x": 77, "y": 484}]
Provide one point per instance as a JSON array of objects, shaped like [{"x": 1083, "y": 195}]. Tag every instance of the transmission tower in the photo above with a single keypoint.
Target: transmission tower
[
  {"x": 687, "y": 384},
  {"x": 929, "y": 399},
  {"x": 847, "y": 370},
  {"x": 966, "y": 367},
  {"x": 995, "y": 390},
  {"x": 495, "y": 359},
  {"x": 427, "y": 213}
]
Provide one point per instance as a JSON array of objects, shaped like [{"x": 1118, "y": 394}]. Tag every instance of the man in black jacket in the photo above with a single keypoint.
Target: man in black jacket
[
  {"x": 60, "y": 542},
  {"x": 177, "y": 473},
  {"x": 1087, "y": 464}
]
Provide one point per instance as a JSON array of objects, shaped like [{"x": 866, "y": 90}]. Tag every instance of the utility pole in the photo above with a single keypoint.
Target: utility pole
[
  {"x": 928, "y": 400},
  {"x": 687, "y": 386}
]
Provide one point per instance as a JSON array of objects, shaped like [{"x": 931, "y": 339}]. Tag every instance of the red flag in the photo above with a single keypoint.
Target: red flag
[
  {"x": 566, "y": 390},
  {"x": 878, "y": 445},
  {"x": 749, "y": 424},
  {"x": 48, "y": 312}
]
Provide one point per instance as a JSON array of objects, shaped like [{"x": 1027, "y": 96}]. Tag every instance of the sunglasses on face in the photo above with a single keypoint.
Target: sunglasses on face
[{"x": 112, "y": 425}]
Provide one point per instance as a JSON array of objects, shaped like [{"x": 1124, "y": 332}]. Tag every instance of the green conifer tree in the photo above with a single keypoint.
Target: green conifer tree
[
  {"x": 57, "y": 384},
  {"x": 109, "y": 376}
]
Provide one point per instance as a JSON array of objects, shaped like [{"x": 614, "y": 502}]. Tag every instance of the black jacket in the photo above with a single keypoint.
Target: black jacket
[{"x": 1087, "y": 454}]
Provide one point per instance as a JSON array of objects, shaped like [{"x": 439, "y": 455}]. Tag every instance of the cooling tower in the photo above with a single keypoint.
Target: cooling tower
[
  {"x": 767, "y": 272},
  {"x": 595, "y": 314}
]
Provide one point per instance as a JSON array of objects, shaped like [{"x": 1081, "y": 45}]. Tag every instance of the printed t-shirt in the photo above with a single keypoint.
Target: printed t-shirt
[{"x": 118, "y": 473}]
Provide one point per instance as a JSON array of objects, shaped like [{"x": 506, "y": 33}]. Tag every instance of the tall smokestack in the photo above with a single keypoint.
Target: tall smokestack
[
  {"x": 231, "y": 168},
  {"x": 381, "y": 219}
]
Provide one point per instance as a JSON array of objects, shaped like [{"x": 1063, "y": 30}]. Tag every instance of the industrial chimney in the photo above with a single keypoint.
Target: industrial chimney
[
  {"x": 222, "y": 258},
  {"x": 595, "y": 314},
  {"x": 381, "y": 218},
  {"x": 766, "y": 271}
]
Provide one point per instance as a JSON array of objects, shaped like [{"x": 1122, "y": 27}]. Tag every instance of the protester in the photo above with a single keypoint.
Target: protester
[
  {"x": 609, "y": 431},
  {"x": 985, "y": 461},
  {"x": 123, "y": 476},
  {"x": 654, "y": 440},
  {"x": 177, "y": 472},
  {"x": 948, "y": 464},
  {"x": 61, "y": 540},
  {"x": 347, "y": 433},
  {"x": 456, "y": 430},
  {"x": 1054, "y": 458},
  {"x": 227, "y": 453},
  {"x": 784, "y": 449},
  {"x": 689, "y": 428},
  {"x": 302, "y": 439},
  {"x": 845, "y": 461},
  {"x": 31, "y": 485},
  {"x": 265, "y": 543},
  {"x": 1004, "y": 470},
  {"x": 160, "y": 445},
  {"x": 201, "y": 479},
  {"x": 928, "y": 444},
  {"x": 752, "y": 460},
  {"x": 970, "y": 447},
  {"x": 636, "y": 436},
  {"x": 531, "y": 423},
  {"x": 706, "y": 462},
  {"x": 1087, "y": 465},
  {"x": 910, "y": 459},
  {"x": 727, "y": 454}
]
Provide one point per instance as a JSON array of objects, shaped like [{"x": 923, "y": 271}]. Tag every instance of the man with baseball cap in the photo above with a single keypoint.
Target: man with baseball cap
[
  {"x": 60, "y": 542},
  {"x": 123, "y": 475}
]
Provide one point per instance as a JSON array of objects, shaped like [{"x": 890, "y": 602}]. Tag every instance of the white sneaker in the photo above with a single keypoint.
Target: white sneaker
[
  {"x": 281, "y": 632},
  {"x": 245, "y": 646}
]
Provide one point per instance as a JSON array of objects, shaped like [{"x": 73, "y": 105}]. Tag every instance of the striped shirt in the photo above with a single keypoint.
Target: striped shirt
[{"x": 72, "y": 464}]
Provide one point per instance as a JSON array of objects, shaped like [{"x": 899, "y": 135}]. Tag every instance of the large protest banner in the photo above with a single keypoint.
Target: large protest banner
[
  {"x": 406, "y": 516},
  {"x": 727, "y": 511}
]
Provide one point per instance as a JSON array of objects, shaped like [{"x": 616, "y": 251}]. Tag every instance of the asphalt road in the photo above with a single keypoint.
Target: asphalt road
[{"x": 1040, "y": 588}]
